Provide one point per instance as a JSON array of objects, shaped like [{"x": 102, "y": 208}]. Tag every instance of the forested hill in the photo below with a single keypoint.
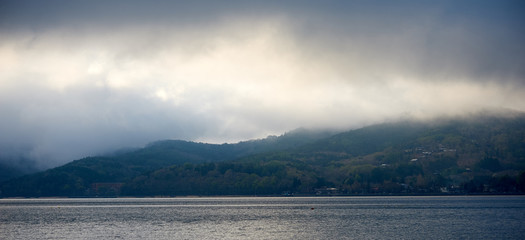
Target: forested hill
[
  {"x": 480, "y": 154},
  {"x": 77, "y": 178}
]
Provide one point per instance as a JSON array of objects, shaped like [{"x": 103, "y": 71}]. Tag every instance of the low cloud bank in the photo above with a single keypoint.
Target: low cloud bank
[{"x": 70, "y": 89}]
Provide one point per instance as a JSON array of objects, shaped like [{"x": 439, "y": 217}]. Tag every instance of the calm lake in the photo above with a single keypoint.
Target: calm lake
[{"x": 442, "y": 217}]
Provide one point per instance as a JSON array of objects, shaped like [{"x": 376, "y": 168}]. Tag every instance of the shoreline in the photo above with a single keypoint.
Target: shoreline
[{"x": 269, "y": 196}]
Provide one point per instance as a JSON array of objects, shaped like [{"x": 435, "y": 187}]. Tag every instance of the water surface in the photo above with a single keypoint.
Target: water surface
[{"x": 443, "y": 217}]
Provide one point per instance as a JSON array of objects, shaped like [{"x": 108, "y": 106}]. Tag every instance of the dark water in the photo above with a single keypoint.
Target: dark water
[{"x": 458, "y": 217}]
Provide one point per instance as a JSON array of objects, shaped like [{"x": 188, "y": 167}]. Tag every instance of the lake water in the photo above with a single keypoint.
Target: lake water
[{"x": 443, "y": 217}]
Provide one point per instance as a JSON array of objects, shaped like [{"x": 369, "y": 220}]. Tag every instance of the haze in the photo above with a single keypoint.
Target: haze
[{"x": 81, "y": 78}]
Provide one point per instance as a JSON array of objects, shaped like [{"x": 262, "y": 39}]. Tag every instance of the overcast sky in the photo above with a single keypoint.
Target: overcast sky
[{"x": 80, "y": 78}]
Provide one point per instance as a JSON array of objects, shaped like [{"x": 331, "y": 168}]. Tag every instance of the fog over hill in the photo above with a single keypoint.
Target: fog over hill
[
  {"x": 83, "y": 78},
  {"x": 482, "y": 153}
]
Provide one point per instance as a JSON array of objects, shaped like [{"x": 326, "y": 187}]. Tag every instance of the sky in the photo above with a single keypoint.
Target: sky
[{"x": 82, "y": 78}]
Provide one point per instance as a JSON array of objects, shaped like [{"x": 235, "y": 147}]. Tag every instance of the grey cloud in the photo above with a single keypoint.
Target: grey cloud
[
  {"x": 53, "y": 127},
  {"x": 79, "y": 78},
  {"x": 481, "y": 40},
  {"x": 433, "y": 41}
]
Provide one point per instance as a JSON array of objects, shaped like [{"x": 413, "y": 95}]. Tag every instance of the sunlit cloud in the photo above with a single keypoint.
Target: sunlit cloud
[{"x": 75, "y": 88}]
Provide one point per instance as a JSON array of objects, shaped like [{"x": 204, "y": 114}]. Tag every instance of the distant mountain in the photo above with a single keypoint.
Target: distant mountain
[
  {"x": 483, "y": 153},
  {"x": 77, "y": 178},
  {"x": 9, "y": 172},
  {"x": 10, "y": 168}
]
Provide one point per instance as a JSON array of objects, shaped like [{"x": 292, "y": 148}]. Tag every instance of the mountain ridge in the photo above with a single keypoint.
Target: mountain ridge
[
  {"x": 450, "y": 156},
  {"x": 485, "y": 153},
  {"x": 76, "y": 177}
]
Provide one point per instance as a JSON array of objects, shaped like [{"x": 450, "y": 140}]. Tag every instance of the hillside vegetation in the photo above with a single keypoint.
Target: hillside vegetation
[
  {"x": 480, "y": 154},
  {"x": 78, "y": 177}
]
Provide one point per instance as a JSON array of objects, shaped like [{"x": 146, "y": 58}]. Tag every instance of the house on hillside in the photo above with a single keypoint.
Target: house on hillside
[{"x": 326, "y": 191}]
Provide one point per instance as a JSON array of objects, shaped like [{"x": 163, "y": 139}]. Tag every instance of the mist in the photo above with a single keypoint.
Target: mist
[{"x": 85, "y": 78}]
